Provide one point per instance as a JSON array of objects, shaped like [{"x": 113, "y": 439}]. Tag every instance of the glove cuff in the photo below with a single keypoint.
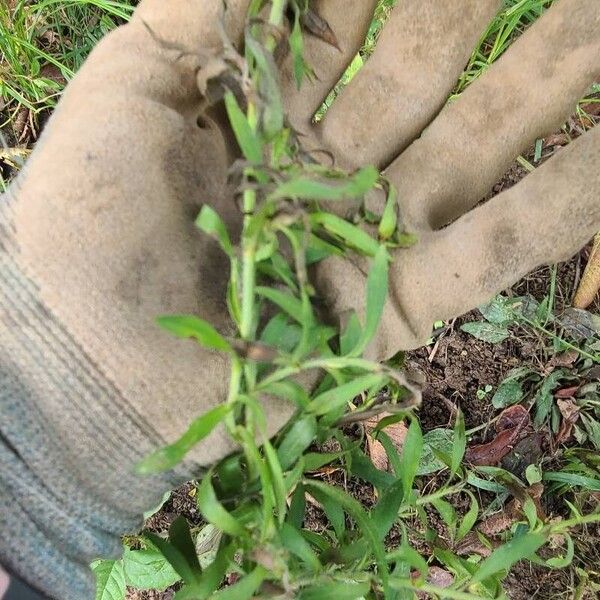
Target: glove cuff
[{"x": 68, "y": 444}]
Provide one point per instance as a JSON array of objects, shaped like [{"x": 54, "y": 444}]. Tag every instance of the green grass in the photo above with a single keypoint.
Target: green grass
[
  {"x": 42, "y": 44},
  {"x": 510, "y": 22}
]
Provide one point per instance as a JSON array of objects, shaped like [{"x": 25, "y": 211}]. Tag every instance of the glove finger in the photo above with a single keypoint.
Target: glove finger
[
  {"x": 418, "y": 59},
  {"x": 350, "y": 22},
  {"x": 528, "y": 93},
  {"x": 544, "y": 219},
  {"x": 192, "y": 24}
]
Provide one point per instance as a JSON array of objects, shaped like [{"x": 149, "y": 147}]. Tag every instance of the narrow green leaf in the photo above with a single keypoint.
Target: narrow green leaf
[
  {"x": 377, "y": 291},
  {"x": 281, "y": 334},
  {"x": 213, "y": 575},
  {"x": 181, "y": 538},
  {"x": 335, "y": 591},
  {"x": 319, "y": 249},
  {"x": 447, "y": 512},
  {"x": 361, "y": 466},
  {"x": 357, "y": 512},
  {"x": 293, "y": 541},
  {"x": 504, "y": 557},
  {"x": 270, "y": 93},
  {"x": 339, "y": 396},
  {"x": 392, "y": 453},
  {"x": 352, "y": 235},
  {"x": 188, "y": 326},
  {"x": 333, "y": 511},
  {"x": 110, "y": 579},
  {"x": 211, "y": 223},
  {"x": 279, "y": 487},
  {"x": 468, "y": 521},
  {"x": 168, "y": 457},
  {"x": 411, "y": 556},
  {"x": 385, "y": 512},
  {"x": 573, "y": 479},
  {"x": 460, "y": 443},
  {"x": 410, "y": 457},
  {"x": 247, "y": 140},
  {"x": 296, "y": 42},
  {"x": 244, "y": 589},
  {"x": 560, "y": 562},
  {"x": 213, "y": 511},
  {"x": 389, "y": 219},
  {"x": 315, "y": 460},
  {"x": 287, "y": 302},
  {"x": 295, "y": 516},
  {"x": 288, "y": 390},
  {"x": 351, "y": 335},
  {"x": 297, "y": 440},
  {"x": 544, "y": 397},
  {"x": 304, "y": 188}
]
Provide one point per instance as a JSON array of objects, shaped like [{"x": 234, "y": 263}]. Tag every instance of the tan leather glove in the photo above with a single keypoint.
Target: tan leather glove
[{"x": 97, "y": 238}]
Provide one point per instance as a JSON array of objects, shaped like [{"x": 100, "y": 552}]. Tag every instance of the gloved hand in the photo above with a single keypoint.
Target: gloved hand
[{"x": 97, "y": 238}]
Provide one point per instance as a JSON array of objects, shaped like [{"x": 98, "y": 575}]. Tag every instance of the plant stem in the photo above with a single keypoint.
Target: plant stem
[
  {"x": 563, "y": 525},
  {"x": 248, "y": 269}
]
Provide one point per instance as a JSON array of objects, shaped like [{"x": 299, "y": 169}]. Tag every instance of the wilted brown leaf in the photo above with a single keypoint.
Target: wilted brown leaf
[
  {"x": 319, "y": 27},
  {"x": 556, "y": 139},
  {"x": 510, "y": 427},
  {"x": 435, "y": 576},
  {"x": 567, "y": 392},
  {"x": 570, "y": 414},
  {"x": 591, "y": 108},
  {"x": 471, "y": 544},
  {"x": 512, "y": 512}
]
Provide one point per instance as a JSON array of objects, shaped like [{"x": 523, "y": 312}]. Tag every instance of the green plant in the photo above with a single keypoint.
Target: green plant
[
  {"x": 255, "y": 502},
  {"x": 43, "y": 43}
]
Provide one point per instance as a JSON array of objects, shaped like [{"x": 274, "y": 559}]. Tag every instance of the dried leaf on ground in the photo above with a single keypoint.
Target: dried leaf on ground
[
  {"x": 472, "y": 544},
  {"x": 512, "y": 512},
  {"x": 556, "y": 139},
  {"x": 591, "y": 108},
  {"x": 580, "y": 324},
  {"x": 395, "y": 431},
  {"x": 590, "y": 282},
  {"x": 511, "y": 426},
  {"x": 570, "y": 414},
  {"x": 566, "y": 392},
  {"x": 564, "y": 359},
  {"x": 435, "y": 576}
]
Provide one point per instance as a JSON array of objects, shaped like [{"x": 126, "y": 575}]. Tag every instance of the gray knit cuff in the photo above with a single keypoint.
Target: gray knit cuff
[{"x": 68, "y": 442}]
